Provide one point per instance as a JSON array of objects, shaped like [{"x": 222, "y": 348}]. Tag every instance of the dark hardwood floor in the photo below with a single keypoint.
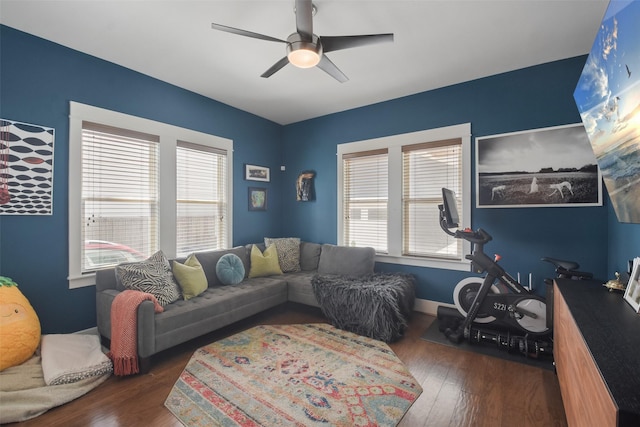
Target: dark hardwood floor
[{"x": 460, "y": 388}]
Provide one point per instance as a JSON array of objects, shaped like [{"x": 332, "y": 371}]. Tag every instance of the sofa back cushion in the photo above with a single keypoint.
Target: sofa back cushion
[
  {"x": 106, "y": 279},
  {"x": 346, "y": 260},
  {"x": 209, "y": 260},
  {"x": 309, "y": 255}
]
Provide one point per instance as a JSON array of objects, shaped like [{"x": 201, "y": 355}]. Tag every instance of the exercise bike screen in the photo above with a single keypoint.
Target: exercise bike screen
[{"x": 450, "y": 208}]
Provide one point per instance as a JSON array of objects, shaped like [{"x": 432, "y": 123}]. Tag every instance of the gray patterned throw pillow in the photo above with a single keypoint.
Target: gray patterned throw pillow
[
  {"x": 152, "y": 276},
  {"x": 288, "y": 249}
]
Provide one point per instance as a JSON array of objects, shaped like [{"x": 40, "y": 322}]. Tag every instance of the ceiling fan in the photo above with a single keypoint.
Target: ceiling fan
[{"x": 305, "y": 49}]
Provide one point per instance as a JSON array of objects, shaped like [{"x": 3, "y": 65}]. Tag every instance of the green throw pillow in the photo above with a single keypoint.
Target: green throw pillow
[
  {"x": 264, "y": 264},
  {"x": 190, "y": 277}
]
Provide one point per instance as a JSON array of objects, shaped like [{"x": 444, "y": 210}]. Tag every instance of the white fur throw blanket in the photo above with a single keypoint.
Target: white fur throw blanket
[
  {"x": 24, "y": 393},
  {"x": 67, "y": 358},
  {"x": 376, "y": 306}
]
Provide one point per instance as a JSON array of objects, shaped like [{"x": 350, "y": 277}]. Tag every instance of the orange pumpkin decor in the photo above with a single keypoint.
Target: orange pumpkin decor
[{"x": 19, "y": 325}]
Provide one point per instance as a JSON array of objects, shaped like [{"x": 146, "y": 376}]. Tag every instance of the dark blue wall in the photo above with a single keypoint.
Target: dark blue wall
[
  {"x": 624, "y": 243},
  {"x": 37, "y": 80},
  {"x": 531, "y": 98}
]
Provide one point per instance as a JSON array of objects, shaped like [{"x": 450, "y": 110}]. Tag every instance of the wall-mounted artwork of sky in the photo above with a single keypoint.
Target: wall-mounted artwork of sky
[{"x": 608, "y": 98}]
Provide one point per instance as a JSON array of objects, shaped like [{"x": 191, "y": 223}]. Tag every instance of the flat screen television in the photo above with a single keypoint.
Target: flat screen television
[
  {"x": 450, "y": 208},
  {"x": 608, "y": 98}
]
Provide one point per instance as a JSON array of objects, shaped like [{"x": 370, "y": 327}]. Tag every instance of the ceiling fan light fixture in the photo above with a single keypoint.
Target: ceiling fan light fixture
[
  {"x": 304, "y": 58},
  {"x": 303, "y": 54},
  {"x": 305, "y": 49}
]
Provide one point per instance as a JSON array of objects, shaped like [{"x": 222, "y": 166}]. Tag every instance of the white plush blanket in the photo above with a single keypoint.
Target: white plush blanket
[
  {"x": 24, "y": 393},
  {"x": 67, "y": 358}
]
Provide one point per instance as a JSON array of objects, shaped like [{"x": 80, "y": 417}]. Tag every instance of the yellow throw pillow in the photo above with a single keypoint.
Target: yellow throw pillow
[
  {"x": 190, "y": 277},
  {"x": 264, "y": 264}
]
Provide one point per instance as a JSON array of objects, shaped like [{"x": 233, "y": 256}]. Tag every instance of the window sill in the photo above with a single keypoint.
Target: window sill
[
  {"x": 82, "y": 281},
  {"x": 424, "y": 262}
]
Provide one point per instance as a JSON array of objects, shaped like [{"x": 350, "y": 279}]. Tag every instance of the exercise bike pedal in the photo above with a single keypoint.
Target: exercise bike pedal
[
  {"x": 448, "y": 318},
  {"x": 453, "y": 336},
  {"x": 449, "y": 322}
]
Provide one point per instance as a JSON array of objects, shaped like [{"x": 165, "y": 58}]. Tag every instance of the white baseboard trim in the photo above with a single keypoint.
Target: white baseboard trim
[
  {"x": 429, "y": 307},
  {"x": 90, "y": 331}
]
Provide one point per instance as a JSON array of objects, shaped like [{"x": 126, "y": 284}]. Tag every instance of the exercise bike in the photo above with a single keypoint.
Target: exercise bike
[{"x": 511, "y": 316}]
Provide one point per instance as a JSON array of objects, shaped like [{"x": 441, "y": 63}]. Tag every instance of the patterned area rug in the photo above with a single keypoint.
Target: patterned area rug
[{"x": 293, "y": 375}]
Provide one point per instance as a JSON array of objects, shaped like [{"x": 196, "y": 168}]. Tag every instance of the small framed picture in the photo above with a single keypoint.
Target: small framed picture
[
  {"x": 632, "y": 293},
  {"x": 257, "y": 173},
  {"x": 257, "y": 199}
]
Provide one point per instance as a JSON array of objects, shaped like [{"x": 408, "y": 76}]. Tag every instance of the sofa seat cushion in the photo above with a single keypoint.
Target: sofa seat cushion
[
  {"x": 216, "y": 300},
  {"x": 300, "y": 289}
]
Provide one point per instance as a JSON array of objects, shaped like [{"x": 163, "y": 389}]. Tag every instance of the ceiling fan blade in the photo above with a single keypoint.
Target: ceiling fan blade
[
  {"x": 275, "y": 67},
  {"x": 244, "y": 33},
  {"x": 330, "y": 44},
  {"x": 330, "y": 68},
  {"x": 304, "y": 19}
]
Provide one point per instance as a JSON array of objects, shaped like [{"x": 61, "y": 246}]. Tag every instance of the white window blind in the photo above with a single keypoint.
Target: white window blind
[
  {"x": 119, "y": 196},
  {"x": 201, "y": 178},
  {"x": 365, "y": 199},
  {"x": 427, "y": 168}
]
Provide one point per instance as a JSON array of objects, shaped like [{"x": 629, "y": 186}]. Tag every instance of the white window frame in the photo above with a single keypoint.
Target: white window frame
[
  {"x": 169, "y": 136},
  {"x": 219, "y": 204},
  {"x": 394, "y": 145}
]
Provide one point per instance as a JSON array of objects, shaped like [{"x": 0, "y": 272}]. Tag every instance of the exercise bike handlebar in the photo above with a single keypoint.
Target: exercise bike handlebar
[
  {"x": 480, "y": 262},
  {"x": 477, "y": 237}
]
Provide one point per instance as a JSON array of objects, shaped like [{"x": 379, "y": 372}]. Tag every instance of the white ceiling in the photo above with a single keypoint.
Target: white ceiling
[{"x": 437, "y": 43}]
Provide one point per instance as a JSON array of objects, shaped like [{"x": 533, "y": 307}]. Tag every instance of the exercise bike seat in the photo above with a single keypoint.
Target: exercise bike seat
[
  {"x": 560, "y": 263},
  {"x": 567, "y": 269}
]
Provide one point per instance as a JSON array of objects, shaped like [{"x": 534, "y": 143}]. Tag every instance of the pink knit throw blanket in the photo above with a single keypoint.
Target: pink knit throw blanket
[{"x": 124, "y": 330}]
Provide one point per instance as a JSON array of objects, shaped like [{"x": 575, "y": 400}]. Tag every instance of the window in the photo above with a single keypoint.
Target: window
[
  {"x": 202, "y": 198},
  {"x": 389, "y": 191},
  {"x": 136, "y": 186},
  {"x": 426, "y": 169},
  {"x": 365, "y": 199},
  {"x": 119, "y": 196}
]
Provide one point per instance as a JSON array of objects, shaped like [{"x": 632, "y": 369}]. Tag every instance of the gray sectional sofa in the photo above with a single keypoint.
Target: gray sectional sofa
[{"x": 221, "y": 305}]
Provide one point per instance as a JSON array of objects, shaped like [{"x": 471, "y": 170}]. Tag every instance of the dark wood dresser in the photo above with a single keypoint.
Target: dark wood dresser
[{"x": 597, "y": 354}]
